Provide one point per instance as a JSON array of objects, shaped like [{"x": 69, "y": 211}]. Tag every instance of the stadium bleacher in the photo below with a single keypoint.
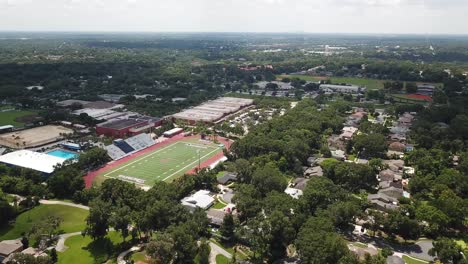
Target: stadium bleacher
[
  {"x": 114, "y": 152},
  {"x": 124, "y": 146},
  {"x": 140, "y": 141},
  {"x": 121, "y": 147}
]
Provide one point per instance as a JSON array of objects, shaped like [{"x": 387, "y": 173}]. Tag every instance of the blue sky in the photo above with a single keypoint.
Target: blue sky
[{"x": 316, "y": 16}]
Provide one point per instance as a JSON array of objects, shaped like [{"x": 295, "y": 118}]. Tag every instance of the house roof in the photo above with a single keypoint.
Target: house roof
[
  {"x": 228, "y": 176},
  {"x": 300, "y": 183},
  {"x": 216, "y": 216},
  {"x": 201, "y": 199},
  {"x": 8, "y": 247},
  {"x": 397, "y": 146}
]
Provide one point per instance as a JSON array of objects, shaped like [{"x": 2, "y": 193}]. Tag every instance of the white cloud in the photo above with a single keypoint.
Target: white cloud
[{"x": 380, "y": 16}]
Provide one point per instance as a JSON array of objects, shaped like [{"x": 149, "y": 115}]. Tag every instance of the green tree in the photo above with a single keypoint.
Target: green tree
[
  {"x": 447, "y": 251},
  {"x": 204, "y": 252},
  {"x": 317, "y": 243},
  {"x": 267, "y": 179},
  {"x": 161, "y": 248},
  {"x": 228, "y": 226},
  {"x": 98, "y": 219}
]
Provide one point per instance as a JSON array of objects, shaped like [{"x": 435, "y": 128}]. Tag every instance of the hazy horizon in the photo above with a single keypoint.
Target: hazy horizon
[{"x": 432, "y": 17}]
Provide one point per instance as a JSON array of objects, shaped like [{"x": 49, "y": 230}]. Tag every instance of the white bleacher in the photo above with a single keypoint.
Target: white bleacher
[
  {"x": 140, "y": 141},
  {"x": 114, "y": 152}
]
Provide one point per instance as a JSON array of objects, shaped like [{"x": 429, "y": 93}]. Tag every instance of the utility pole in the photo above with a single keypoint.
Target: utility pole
[{"x": 198, "y": 152}]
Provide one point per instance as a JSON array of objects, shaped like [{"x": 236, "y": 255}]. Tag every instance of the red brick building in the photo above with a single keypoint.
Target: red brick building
[{"x": 120, "y": 128}]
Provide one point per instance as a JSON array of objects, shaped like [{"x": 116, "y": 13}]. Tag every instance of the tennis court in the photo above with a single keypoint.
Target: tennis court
[{"x": 164, "y": 164}]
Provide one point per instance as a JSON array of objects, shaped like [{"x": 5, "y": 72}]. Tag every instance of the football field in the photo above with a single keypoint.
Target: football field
[{"x": 164, "y": 164}]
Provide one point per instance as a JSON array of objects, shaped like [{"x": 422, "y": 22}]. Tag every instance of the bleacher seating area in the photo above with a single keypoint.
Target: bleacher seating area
[
  {"x": 122, "y": 148},
  {"x": 114, "y": 152},
  {"x": 140, "y": 141}
]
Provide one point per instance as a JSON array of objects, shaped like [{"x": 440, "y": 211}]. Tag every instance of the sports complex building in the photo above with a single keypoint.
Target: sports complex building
[
  {"x": 41, "y": 162},
  {"x": 213, "y": 111},
  {"x": 119, "y": 128}
]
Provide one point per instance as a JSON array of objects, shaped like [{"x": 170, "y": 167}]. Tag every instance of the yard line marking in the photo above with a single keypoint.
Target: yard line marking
[
  {"x": 137, "y": 160},
  {"x": 195, "y": 162}
]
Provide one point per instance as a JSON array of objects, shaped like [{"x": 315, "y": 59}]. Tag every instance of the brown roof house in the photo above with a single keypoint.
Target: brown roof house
[
  {"x": 397, "y": 146},
  {"x": 9, "y": 247}
]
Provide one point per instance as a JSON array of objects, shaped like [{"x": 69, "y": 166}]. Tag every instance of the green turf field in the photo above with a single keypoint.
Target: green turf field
[
  {"x": 164, "y": 164},
  {"x": 10, "y": 117}
]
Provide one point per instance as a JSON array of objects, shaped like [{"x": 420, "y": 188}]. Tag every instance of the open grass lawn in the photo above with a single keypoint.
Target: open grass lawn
[
  {"x": 371, "y": 84},
  {"x": 11, "y": 117},
  {"x": 165, "y": 164},
  {"x": 409, "y": 260},
  {"x": 138, "y": 256},
  {"x": 221, "y": 259},
  {"x": 84, "y": 250},
  {"x": 73, "y": 220}
]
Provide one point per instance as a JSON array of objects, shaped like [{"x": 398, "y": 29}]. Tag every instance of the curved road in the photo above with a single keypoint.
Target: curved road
[
  {"x": 217, "y": 250},
  {"x": 64, "y": 203}
]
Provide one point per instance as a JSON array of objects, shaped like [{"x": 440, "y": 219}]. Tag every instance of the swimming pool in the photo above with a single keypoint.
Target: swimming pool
[{"x": 63, "y": 154}]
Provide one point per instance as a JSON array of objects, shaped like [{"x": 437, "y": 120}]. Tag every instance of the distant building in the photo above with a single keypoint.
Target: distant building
[
  {"x": 173, "y": 132},
  {"x": 119, "y": 128},
  {"x": 348, "y": 89},
  {"x": 426, "y": 89}
]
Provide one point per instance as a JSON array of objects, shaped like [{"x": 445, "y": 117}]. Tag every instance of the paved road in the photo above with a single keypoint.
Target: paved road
[
  {"x": 418, "y": 250},
  {"x": 217, "y": 250},
  {"x": 121, "y": 257},
  {"x": 64, "y": 203},
  {"x": 60, "y": 247}
]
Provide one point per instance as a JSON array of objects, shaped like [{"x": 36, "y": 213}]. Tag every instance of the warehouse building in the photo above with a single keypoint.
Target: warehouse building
[
  {"x": 348, "y": 89},
  {"x": 120, "y": 128},
  {"x": 213, "y": 111},
  {"x": 41, "y": 162}
]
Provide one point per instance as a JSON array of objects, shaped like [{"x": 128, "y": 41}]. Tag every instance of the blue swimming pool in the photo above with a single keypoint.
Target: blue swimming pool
[{"x": 63, "y": 154}]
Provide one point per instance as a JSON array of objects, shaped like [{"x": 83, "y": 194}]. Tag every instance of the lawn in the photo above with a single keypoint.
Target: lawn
[
  {"x": 165, "y": 164},
  {"x": 138, "y": 256},
  {"x": 11, "y": 117},
  {"x": 409, "y": 260},
  {"x": 84, "y": 250},
  {"x": 219, "y": 205},
  {"x": 221, "y": 259},
  {"x": 73, "y": 220}
]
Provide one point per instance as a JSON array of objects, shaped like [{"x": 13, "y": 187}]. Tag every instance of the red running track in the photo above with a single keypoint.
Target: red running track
[{"x": 89, "y": 178}]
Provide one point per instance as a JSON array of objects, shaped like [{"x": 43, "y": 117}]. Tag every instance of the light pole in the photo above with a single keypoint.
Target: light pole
[{"x": 198, "y": 152}]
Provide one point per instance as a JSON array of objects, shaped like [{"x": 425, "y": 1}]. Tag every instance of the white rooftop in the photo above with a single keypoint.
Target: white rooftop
[
  {"x": 294, "y": 193},
  {"x": 32, "y": 160},
  {"x": 201, "y": 199}
]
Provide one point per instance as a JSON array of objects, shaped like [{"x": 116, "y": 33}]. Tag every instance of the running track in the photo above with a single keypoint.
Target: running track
[{"x": 89, "y": 178}]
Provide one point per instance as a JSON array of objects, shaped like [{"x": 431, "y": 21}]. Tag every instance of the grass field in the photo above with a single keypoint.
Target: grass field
[
  {"x": 10, "y": 118},
  {"x": 371, "y": 84},
  {"x": 220, "y": 259},
  {"x": 166, "y": 163},
  {"x": 73, "y": 220},
  {"x": 84, "y": 250}
]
